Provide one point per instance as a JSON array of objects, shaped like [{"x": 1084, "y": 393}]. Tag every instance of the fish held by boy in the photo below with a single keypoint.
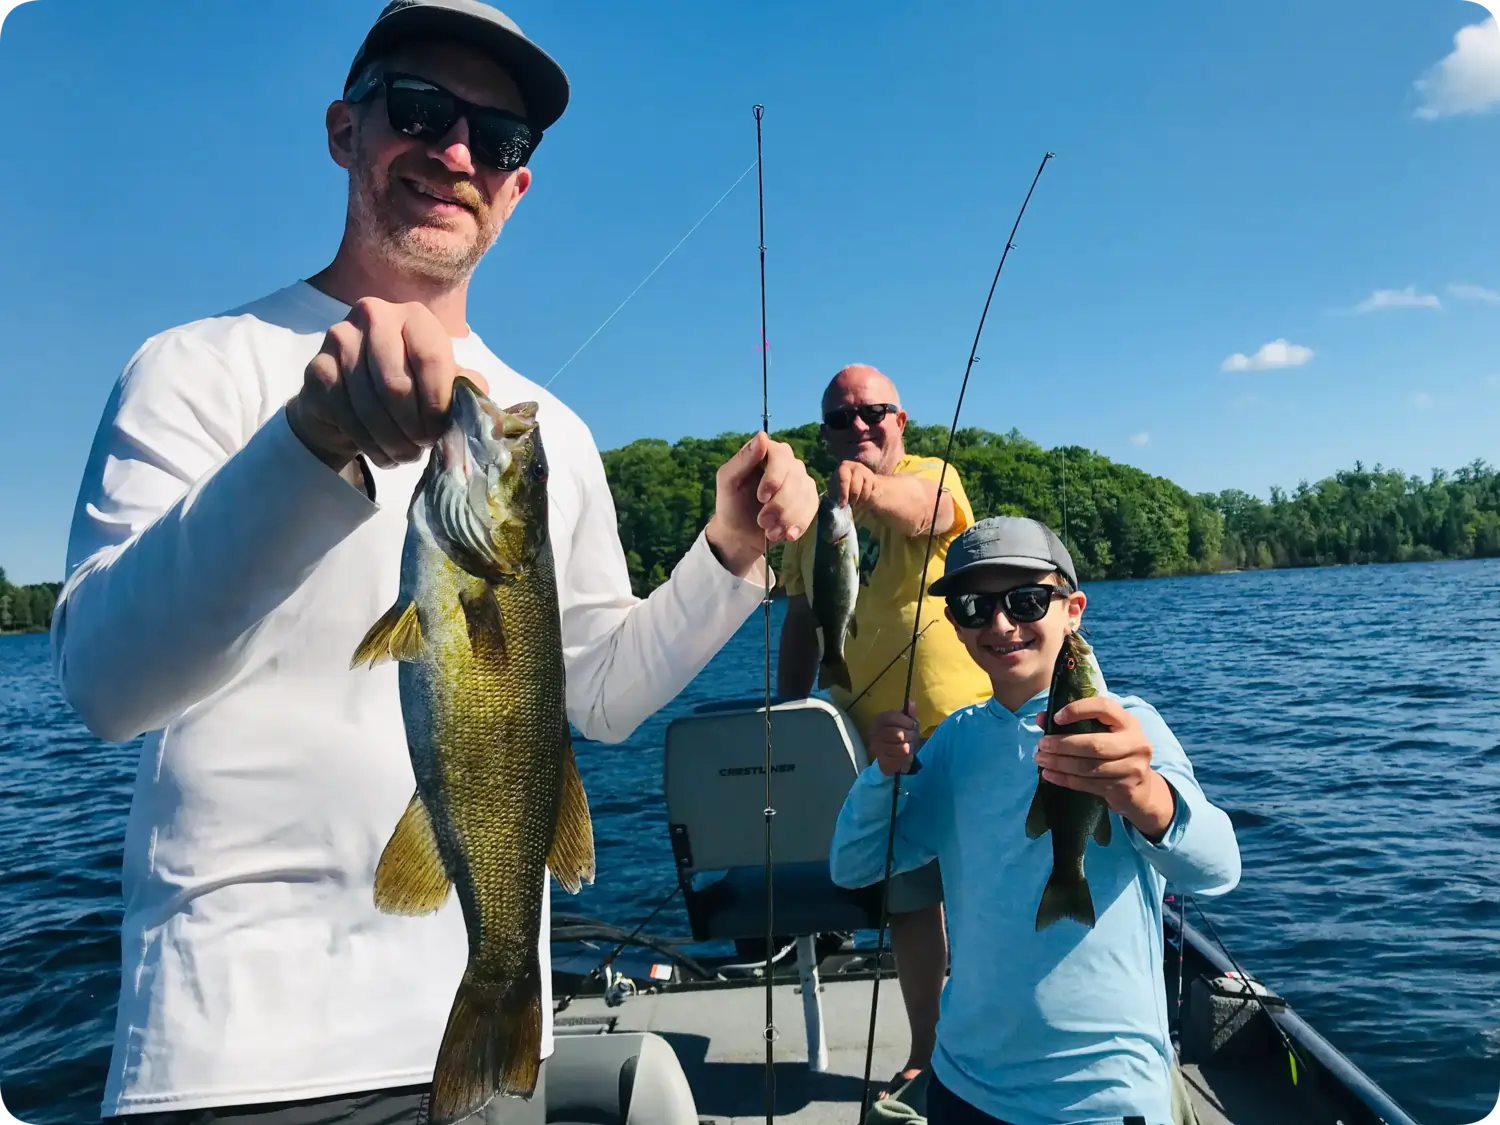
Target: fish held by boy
[
  {"x": 1070, "y": 815},
  {"x": 498, "y": 802},
  {"x": 835, "y": 588}
]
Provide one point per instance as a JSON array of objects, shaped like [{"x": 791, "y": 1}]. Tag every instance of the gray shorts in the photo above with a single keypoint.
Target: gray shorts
[
  {"x": 916, "y": 890},
  {"x": 402, "y": 1106}
]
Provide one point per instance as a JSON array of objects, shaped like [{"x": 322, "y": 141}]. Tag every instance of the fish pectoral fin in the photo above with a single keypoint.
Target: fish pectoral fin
[
  {"x": 853, "y": 630},
  {"x": 1036, "y": 816},
  {"x": 1102, "y": 830},
  {"x": 486, "y": 626},
  {"x": 571, "y": 859},
  {"x": 396, "y": 636},
  {"x": 410, "y": 877}
]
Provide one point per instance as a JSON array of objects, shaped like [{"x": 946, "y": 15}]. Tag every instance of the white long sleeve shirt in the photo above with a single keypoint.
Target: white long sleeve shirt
[{"x": 219, "y": 580}]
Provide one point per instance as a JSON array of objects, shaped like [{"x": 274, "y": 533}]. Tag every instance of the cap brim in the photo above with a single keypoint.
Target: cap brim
[
  {"x": 543, "y": 84},
  {"x": 945, "y": 584}
]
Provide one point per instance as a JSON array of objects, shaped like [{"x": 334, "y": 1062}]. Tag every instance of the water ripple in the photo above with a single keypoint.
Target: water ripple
[{"x": 1345, "y": 717}]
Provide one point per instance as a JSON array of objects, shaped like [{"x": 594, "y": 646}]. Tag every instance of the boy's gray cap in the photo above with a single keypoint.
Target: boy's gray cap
[
  {"x": 543, "y": 85},
  {"x": 1005, "y": 541}
]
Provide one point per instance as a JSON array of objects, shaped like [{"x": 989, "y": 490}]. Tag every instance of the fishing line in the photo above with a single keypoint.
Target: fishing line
[
  {"x": 881, "y": 674},
  {"x": 650, "y": 275},
  {"x": 1250, "y": 993},
  {"x": 890, "y": 843},
  {"x": 765, "y": 425},
  {"x": 610, "y": 959}
]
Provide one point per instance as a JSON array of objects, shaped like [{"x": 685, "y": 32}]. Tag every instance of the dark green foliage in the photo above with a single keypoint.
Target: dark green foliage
[
  {"x": 1120, "y": 522},
  {"x": 26, "y": 609}
]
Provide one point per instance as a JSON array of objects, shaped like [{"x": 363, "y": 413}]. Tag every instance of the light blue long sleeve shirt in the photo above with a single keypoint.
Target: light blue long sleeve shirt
[{"x": 1065, "y": 1026}]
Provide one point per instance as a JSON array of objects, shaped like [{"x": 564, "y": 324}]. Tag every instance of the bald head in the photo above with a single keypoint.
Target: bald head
[
  {"x": 859, "y": 383},
  {"x": 873, "y": 438}
]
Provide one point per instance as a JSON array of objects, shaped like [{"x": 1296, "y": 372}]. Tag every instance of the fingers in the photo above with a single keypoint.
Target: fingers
[
  {"x": 787, "y": 494},
  {"x": 838, "y": 484},
  {"x": 737, "y": 470},
  {"x": 781, "y": 462},
  {"x": 328, "y": 393},
  {"x": 391, "y": 383},
  {"x": 1098, "y": 707},
  {"x": 1113, "y": 769},
  {"x": 1108, "y": 745},
  {"x": 368, "y": 385}
]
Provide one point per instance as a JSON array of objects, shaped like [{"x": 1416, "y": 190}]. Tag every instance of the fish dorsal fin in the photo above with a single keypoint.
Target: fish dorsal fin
[
  {"x": 1036, "y": 816},
  {"x": 486, "y": 625},
  {"x": 410, "y": 878},
  {"x": 396, "y": 636},
  {"x": 571, "y": 859}
]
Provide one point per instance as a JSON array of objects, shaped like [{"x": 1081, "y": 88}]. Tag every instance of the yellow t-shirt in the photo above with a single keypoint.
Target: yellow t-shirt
[{"x": 946, "y": 677}]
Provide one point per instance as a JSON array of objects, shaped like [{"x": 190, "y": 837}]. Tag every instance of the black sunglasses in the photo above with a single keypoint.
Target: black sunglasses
[
  {"x": 422, "y": 109},
  {"x": 870, "y": 413},
  {"x": 1023, "y": 605}
]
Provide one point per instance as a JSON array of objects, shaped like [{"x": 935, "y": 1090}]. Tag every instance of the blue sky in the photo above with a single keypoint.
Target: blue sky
[{"x": 1227, "y": 177}]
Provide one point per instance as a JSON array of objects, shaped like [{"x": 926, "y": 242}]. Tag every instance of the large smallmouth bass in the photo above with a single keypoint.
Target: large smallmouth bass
[
  {"x": 1070, "y": 815},
  {"x": 835, "y": 588},
  {"x": 498, "y": 799}
]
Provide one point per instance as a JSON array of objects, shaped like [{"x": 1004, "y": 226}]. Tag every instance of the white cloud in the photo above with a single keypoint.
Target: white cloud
[
  {"x": 1278, "y": 353},
  {"x": 1139, "y": 439},
  {"x": 1426, "y": 400},
  {"x": 1468, "y": 79},
  {"x": 1475, "y": 293},
  {"x": 1407, "y": 298}
]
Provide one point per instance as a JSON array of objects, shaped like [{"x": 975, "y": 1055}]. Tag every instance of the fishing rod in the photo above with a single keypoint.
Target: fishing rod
[
  {"x": 890, "y": 843},
  {"x": 770, "y": 811}
]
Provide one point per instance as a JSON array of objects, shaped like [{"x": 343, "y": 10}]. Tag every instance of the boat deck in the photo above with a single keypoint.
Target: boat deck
[{"x": 717, "y": 1035}]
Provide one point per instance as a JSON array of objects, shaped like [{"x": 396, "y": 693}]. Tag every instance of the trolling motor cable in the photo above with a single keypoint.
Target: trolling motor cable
[
  {"x": 890, "y": 844},
  {"x": 770, "y": 811}
]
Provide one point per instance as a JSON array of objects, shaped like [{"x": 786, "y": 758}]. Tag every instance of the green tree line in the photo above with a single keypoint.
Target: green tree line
[
  {"x": 26, "y": 609},
  {"x": 1118, "y": 521}
]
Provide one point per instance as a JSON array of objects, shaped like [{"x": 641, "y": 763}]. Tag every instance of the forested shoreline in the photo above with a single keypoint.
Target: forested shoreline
[
  {"x": 26, "y": 609},
  {"x": 1118, "y": 521}
]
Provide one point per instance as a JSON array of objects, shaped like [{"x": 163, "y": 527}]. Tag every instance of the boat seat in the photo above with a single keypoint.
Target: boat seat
[
  {"x": 623, "y": 1078},
  {"x": 714, "y": 766}
]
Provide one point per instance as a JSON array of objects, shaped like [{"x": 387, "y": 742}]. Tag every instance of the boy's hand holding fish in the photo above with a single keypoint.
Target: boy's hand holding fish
[{"x": 1114, "y": 765}]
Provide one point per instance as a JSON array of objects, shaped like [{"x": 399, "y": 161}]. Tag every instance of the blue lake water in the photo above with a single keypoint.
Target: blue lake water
[{"x": 1348, "y": 718}]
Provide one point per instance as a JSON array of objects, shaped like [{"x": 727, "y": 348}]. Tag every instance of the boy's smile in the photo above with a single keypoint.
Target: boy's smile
[{"x": 1017, "y": 655}]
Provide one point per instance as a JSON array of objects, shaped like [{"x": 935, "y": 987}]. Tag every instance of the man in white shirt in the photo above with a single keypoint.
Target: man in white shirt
[{"x": 239, "y": 527}]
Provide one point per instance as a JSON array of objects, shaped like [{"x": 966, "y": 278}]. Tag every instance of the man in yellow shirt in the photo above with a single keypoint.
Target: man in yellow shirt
[{"x": 891, "y": 493}]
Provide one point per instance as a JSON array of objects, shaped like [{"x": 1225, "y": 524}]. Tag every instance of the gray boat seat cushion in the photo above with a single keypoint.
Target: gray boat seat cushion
[{"x": 618, "y": 1079}]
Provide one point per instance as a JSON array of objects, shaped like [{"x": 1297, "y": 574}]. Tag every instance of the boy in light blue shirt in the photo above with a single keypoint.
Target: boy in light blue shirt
[{"x": 1067, "y": 1024}]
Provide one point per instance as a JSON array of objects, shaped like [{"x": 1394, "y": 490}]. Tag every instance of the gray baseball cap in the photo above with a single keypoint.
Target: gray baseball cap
[
  {"x": 1005, "y": 541},
  {"x": 543, "y": 85}
]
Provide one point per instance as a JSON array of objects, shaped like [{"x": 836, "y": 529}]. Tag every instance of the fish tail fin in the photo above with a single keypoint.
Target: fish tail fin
[
  {"x": 1066, "y": 896},
  {"x": 492, "y": 1047},
  {"x": 834, "y": 671}
]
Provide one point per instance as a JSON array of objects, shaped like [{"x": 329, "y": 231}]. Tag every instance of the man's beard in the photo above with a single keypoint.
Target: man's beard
[{"x": 418, "y": 249}]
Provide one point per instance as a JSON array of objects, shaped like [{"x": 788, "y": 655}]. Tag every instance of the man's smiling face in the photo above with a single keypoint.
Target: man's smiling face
[{"x": 428, "y": 209}]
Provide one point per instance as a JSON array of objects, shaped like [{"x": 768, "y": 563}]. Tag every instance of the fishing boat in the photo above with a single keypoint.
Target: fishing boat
[{"x": 658, "y": 1030}]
